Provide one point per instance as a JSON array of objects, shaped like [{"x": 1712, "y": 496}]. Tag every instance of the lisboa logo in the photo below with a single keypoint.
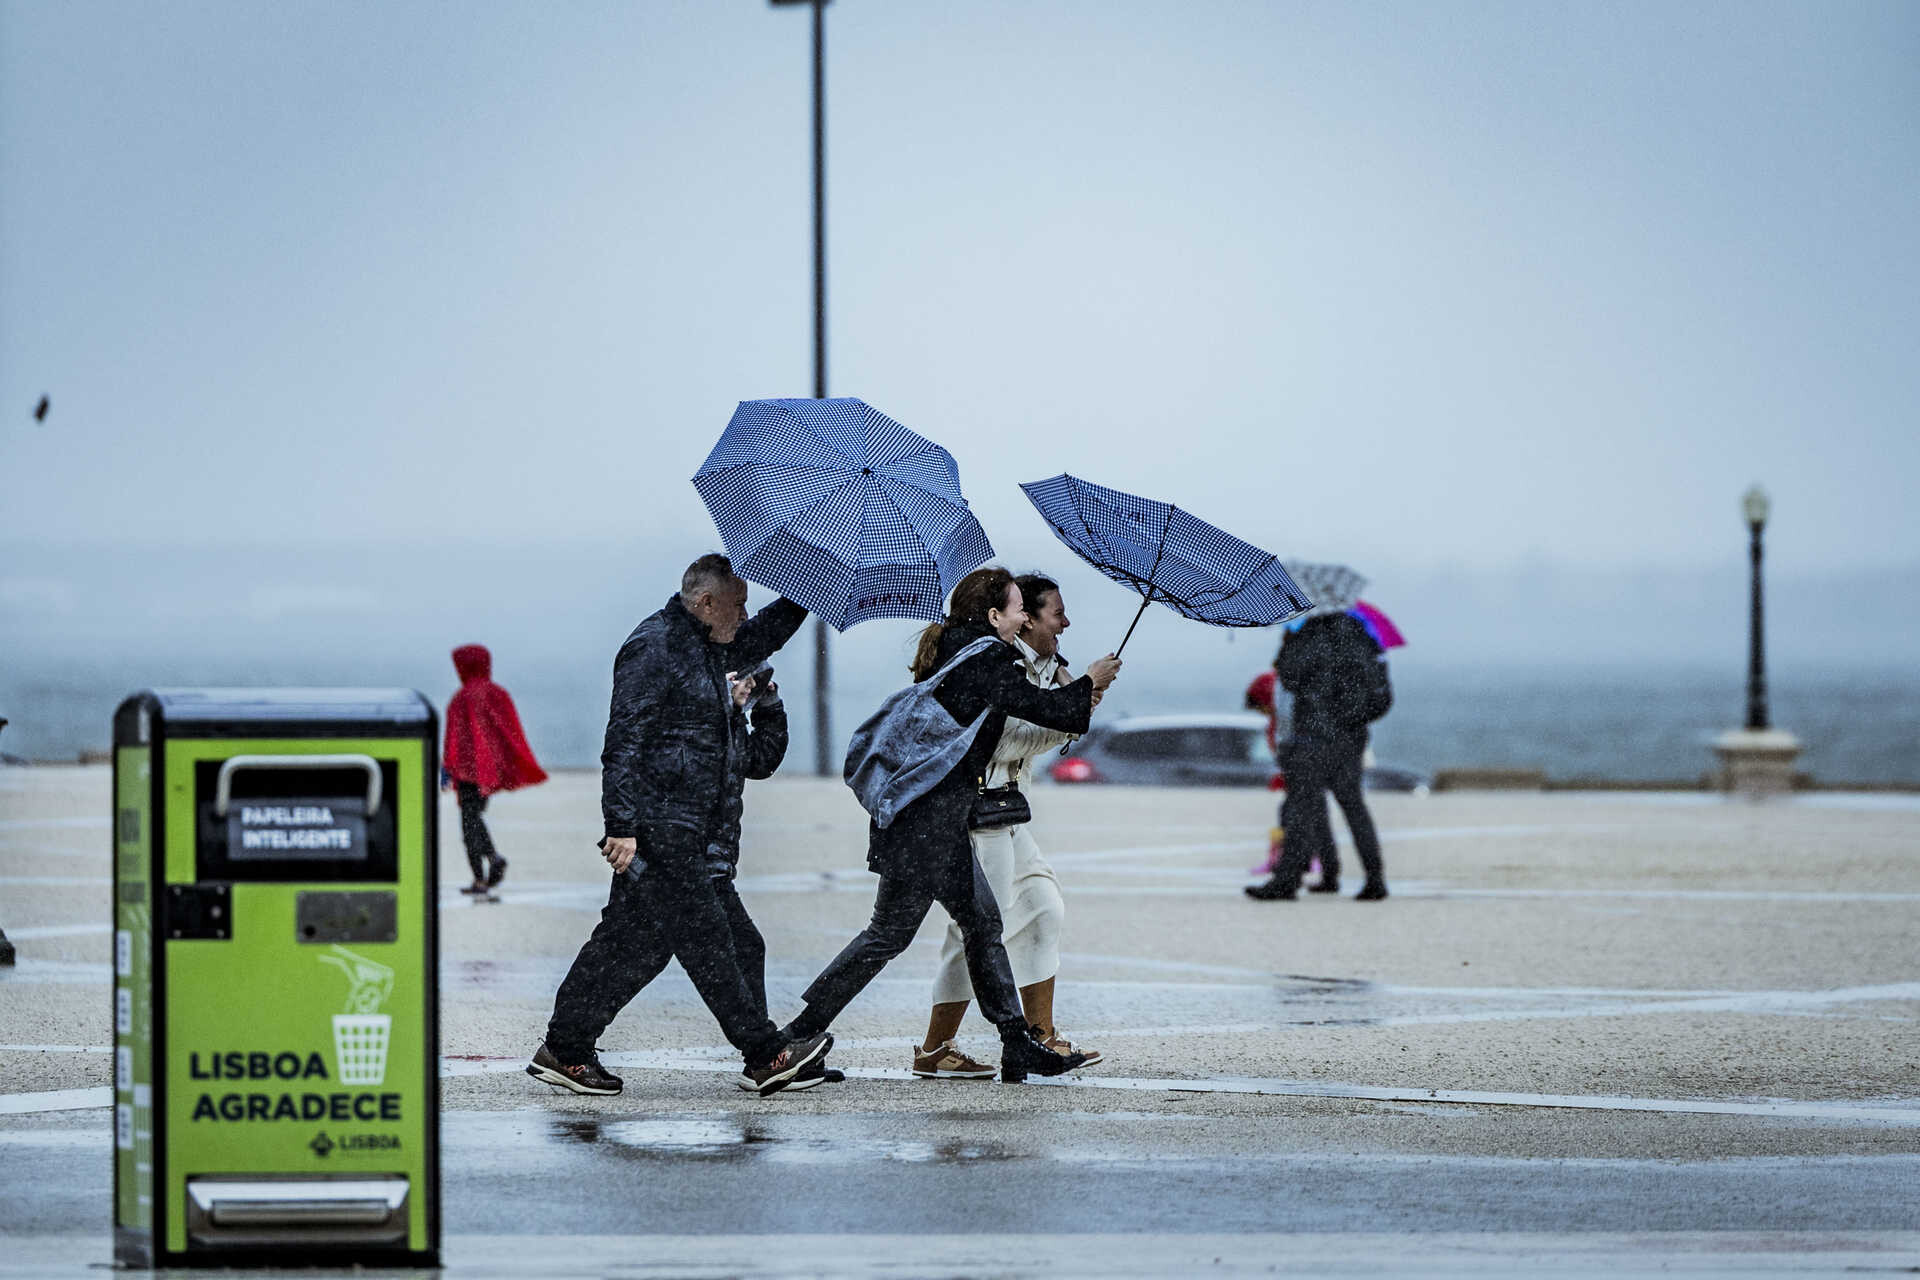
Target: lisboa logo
[{"x": 360, "y": 1031}]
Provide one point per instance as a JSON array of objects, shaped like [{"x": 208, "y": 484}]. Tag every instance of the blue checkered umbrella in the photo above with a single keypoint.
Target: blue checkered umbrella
[
  {"x": 840, "y": 508},
  {"x": 1165, "y": 554}
]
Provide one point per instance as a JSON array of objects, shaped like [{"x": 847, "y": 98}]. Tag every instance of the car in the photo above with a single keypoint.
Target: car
[{"x": 1205, "y": 749}]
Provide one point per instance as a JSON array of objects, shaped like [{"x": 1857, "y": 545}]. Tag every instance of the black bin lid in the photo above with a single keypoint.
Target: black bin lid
[{"x": 186, "y": 708}]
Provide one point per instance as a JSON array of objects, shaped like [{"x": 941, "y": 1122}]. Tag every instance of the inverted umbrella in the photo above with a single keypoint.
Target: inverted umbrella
[
  {"x": 1334, "y": 587},
  {"x": 841, "y": 509},
  {"x": 1166, "y": 554}
]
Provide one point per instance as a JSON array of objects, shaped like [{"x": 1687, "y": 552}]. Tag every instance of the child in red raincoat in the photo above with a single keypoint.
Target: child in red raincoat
[{"x": 486, "y": 752}]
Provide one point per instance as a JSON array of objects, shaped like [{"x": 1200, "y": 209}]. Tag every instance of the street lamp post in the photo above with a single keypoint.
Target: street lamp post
[
  {"x": 1757, "y": 759},
  {"x": 822, "y": 673},
  {"x": 1755, "y": 507}
]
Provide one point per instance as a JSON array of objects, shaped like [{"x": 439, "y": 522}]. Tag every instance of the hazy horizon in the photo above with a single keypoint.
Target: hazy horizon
[{"x": 1464, "y": 285}]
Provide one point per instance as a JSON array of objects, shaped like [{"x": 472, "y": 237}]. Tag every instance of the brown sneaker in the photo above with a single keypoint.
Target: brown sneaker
[
  {"x": 580, "y": 1077},
  {"x": 788, "y": 1063},
  {"x": 1060, "y": 1044},
  {"x": 946, "y": 1062}
]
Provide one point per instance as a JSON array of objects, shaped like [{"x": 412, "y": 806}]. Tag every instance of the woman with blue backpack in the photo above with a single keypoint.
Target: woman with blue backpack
[{"x": 919, "y": 767}]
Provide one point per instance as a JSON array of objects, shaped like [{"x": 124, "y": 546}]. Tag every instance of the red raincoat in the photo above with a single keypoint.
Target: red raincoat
[{"x": 485, "y": 744}]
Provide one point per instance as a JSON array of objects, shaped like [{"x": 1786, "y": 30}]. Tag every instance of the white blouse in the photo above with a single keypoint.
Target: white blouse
[{"x": 1021, "y": 741}]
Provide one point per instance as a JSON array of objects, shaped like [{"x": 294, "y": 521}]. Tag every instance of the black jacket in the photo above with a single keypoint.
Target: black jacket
[
  {"x": 669, "y": 729},
  {"x": 1337, "y": 678},
  {"x": 927, "y": 843},
  {"x": 758, "y": 749}
]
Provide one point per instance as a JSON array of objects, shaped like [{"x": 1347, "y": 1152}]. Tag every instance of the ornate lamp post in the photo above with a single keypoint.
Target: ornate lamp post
[
  {"x": 822, "y": 676},
  {"x": 1757, "y": 759}
]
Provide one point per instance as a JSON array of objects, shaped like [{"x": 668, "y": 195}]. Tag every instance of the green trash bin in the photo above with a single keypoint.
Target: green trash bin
[{"x": 276, "y": 1011}]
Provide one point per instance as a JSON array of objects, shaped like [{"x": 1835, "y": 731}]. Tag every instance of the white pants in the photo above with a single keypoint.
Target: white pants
[{"x": 1031, "y": 914}]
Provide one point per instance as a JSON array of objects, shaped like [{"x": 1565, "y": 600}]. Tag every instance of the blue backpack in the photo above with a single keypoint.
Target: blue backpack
[{"x": 905, "y": 748}]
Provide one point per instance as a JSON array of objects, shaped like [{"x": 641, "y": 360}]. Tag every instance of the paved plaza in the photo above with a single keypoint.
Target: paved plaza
[{"x": 1589, "y": 1033}]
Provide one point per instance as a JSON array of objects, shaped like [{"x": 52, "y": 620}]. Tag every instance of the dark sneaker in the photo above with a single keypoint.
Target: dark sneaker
[
  {"x": 1371, "y": 893},
  {"x": 1023, "y": 1052},
  {"x": 498, "y": 873},
  {"x": 788, "y": 1063},
  {"x": 1272, "y": 891},
  {"x": 1060, "y": 1044},
  {"x": 817, "y": 1072},
  {"x": 580, "y": 1077},
  {"x": 6, "y": 950},
  {"x": 1325, "y": 886},
  {"x": 477, "y": 888}
]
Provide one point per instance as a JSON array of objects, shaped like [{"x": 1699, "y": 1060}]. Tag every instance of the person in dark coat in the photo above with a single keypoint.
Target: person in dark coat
[
  {"x": 666, "y": 769},
  {"x": 486, "y": 753},
  {"x": 926, "y": 854},
  {"x": 1338, "y": 679}
]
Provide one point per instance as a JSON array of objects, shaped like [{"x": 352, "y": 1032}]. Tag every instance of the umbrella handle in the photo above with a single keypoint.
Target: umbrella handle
[{"x": 1136, "y": 621}]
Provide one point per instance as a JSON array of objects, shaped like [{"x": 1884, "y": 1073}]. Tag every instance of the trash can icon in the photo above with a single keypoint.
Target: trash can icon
[{"x": 360, "y": 1047}]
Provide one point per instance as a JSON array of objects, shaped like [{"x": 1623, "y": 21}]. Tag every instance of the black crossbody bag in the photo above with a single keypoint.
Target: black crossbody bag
[{"x": 997, "y": 807}]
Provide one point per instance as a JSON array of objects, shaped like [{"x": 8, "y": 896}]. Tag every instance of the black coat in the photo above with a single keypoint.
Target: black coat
[
  {"x": 1336, "y": 675},
  {"x": 669, "y": 729},
  {"x": 758, "y": 749},
  {"x": 927, "y": 843}
]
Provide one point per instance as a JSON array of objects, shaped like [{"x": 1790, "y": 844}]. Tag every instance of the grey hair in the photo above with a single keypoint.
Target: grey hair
[{"x": 704, "y": 574}]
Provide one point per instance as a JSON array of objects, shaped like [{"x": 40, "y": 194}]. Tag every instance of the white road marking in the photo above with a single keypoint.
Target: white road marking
[
  {"x": 56, "y": 1048},
  {"x": 50, "y": 824},
  {"x": 1770, "y": 1108},
  {"x": 18, "y": 1104},
  {"x": 63, "y": 882},
  {"x": 32, "y": 971},
  {"x": 719, "y": 1059},
  {"x": 57, "y": 931},
  {"x": 29, "y": 852}
]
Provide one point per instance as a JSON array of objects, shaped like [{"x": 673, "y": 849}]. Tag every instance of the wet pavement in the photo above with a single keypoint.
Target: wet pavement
[{"x": 1588, "y": 1034}]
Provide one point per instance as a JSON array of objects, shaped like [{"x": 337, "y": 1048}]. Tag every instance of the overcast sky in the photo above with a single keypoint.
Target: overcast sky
[{"x": 1476, "y": 284}]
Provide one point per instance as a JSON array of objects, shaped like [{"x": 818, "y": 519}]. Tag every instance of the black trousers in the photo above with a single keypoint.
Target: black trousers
[
  {"x": 1313, "y": 768},
  {"x": 669, "y": 913},
  {"x": 898, "y": 909},
  {"x": 488, "y": 866}
]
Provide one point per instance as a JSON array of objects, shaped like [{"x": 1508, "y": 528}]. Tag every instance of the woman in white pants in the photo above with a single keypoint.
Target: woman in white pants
[{"x": 1022, "y": 882}]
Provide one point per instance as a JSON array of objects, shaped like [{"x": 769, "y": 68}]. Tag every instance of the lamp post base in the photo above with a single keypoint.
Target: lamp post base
[{"x": 1756, "y": 762}]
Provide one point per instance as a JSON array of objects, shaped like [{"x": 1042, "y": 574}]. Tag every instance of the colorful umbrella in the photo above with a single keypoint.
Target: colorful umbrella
[{"x": 1378, "y": 625}]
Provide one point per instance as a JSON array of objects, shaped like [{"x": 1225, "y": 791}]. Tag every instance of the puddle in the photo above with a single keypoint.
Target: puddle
[{"x": 725, "y": 1136}]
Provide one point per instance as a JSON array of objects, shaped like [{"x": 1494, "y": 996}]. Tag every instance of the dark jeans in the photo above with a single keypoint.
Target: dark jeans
[
  {"x": 898, "y": 909},
  {"x": 1313, "y": 768},
  {"x": 488, "y": 866},
  {"x": 679, "y": 913}
]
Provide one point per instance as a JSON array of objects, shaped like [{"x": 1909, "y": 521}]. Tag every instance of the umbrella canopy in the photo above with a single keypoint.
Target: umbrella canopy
[
  {"x": 841, "y": 509},
  {"x": 1334, "y": 587},
  {"x": 1378, "y": 625},
  {"x": 1167, "y": 554}
]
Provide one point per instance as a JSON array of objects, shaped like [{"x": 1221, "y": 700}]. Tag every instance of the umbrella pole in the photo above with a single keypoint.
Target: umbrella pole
[{"x": 1136, "y": 622}]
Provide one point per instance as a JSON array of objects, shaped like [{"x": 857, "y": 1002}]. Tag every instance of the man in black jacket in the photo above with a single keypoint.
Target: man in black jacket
[
  {"x": 666, "y": 768},
  {"x": 1338, "y": 680}
]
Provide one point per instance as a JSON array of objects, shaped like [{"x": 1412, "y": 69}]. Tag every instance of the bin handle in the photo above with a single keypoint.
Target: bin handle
[{"x": 223, "y": 788}]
